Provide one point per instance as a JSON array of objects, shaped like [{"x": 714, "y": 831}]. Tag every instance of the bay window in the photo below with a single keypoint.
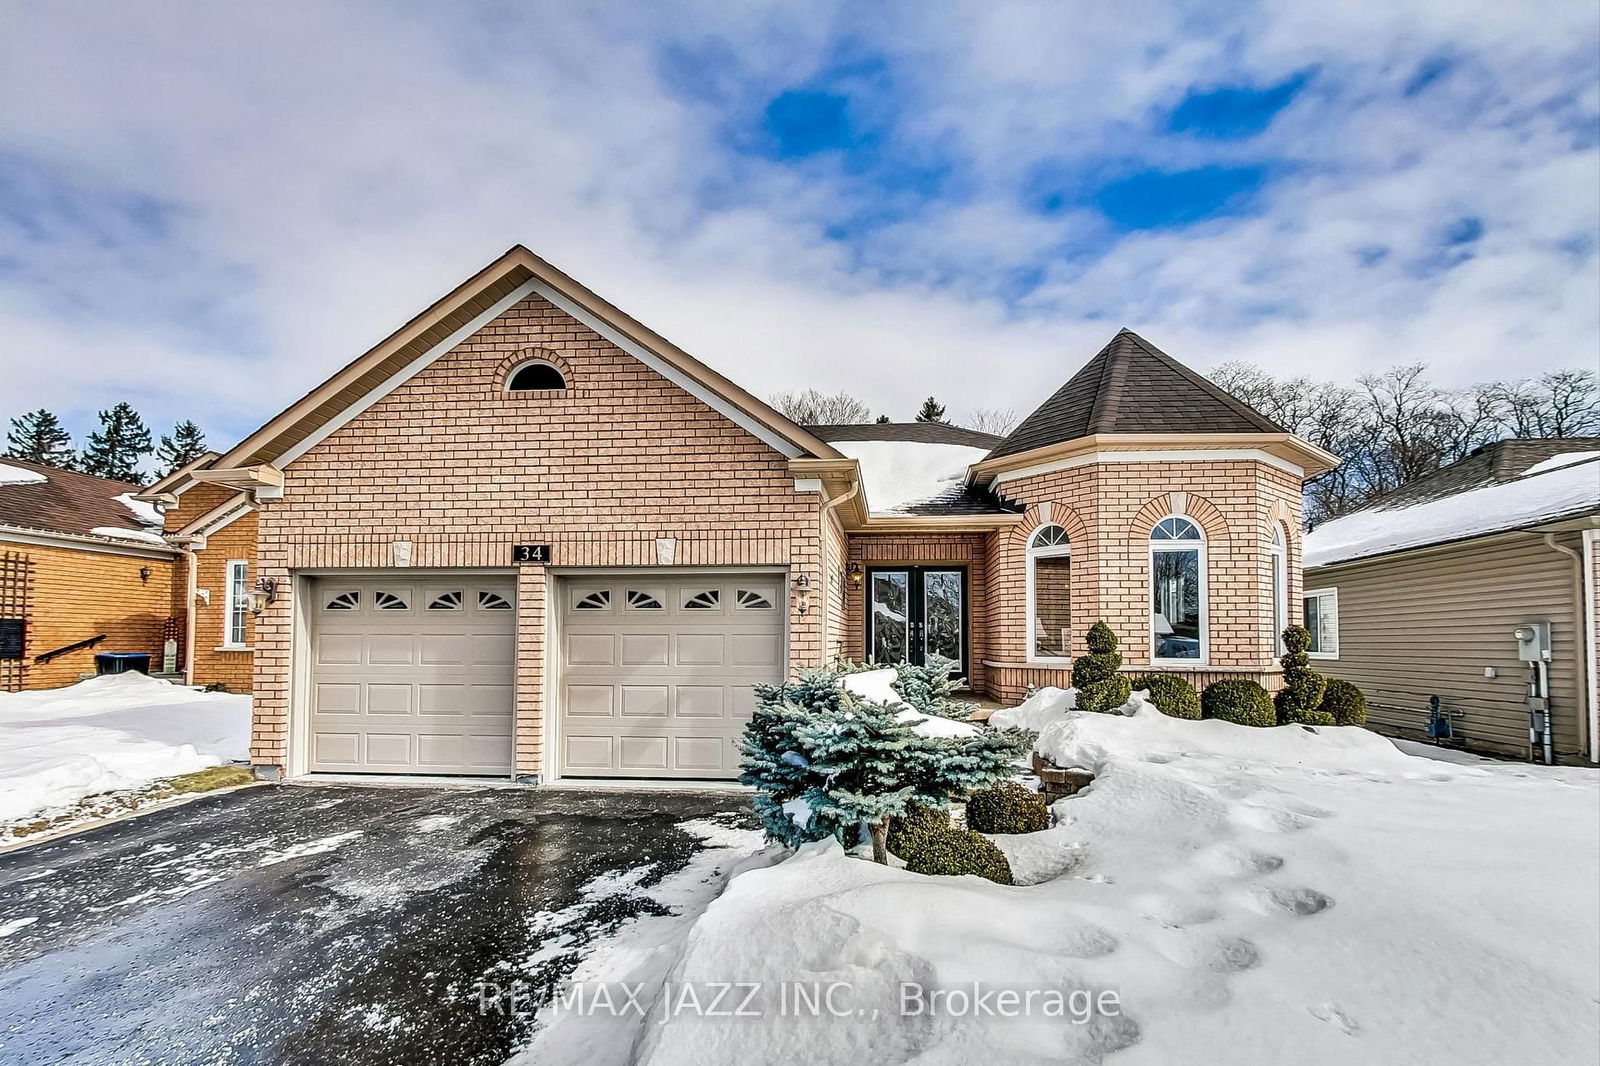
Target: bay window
[
  {"x": 1177, "y": 591},
  {"x": 1050, "y": 594}
]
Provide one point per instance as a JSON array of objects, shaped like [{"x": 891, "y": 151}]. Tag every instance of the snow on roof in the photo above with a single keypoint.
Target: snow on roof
[
  {"x": 142, "y": 511},
  {"x": 1538, "y": 496},
  {"x": 15, "y": 475},
  {"x": 1555, "y": 462},
  {"x": 121, "y": 533},
  {"x": 898, "y": 473}
]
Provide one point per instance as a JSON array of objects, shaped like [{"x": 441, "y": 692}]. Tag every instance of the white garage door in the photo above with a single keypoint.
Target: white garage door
[
  {"x": 412, "y": 675},
  {"x": 656, "y": 671}
]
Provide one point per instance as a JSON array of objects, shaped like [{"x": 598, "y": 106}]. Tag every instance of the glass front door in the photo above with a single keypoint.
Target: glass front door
[{"x": 916, "y": 612}]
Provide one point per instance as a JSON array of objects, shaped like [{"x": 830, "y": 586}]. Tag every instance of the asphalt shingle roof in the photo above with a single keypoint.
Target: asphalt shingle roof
[
  {"x": 66, "y": 502},
  {"x": 1131, "y": 386},
  {"x": 920, "y": 432}
]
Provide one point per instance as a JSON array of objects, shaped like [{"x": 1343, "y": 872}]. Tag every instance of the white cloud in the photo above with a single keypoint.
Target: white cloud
[{"x": 331, "y": 169}]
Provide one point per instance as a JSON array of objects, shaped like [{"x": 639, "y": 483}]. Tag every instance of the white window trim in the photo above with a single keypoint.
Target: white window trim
[
  {"x": 232, "y": 603},
  {"x": 1278, "y": 554},
  {"x": 1330, "y": 594},
  {"x": 1204, "y": 595},
  {"x": 1051, "y": 551}
]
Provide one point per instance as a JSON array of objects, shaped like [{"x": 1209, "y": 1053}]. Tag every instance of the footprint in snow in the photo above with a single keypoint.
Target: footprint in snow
[
  {"x": 1337, "y": 1018},
  {"x": 1301, "y": 902}
]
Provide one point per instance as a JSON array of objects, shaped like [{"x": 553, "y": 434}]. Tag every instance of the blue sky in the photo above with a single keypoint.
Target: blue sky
[{"x": 206, "y": 211}]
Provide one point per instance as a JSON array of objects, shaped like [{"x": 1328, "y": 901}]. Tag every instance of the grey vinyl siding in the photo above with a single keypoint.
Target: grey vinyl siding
[{"x": 1428, "y": 622}]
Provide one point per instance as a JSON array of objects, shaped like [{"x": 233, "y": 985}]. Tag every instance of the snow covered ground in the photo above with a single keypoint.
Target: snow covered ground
[
  {"x": 109, "y": 733},
  {"x": 1221, "y": 894}
]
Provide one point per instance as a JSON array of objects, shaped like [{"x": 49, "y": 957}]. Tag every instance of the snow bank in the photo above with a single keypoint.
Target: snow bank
[
  {"x": 15, "y": 475},
  {"x": 878, "y": 686},
  {"x": 1251, "y": 896},
  {"x": 115, "y": 732},
  {"x": 898, "y": 473},
  {"x": 1532, "y": 498},
  {"x": 1044, "y": 708}
]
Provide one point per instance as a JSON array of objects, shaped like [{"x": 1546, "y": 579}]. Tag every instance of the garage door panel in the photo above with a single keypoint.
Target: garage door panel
[
  {"x": 389, "y": 750},
  {"x": 684, "y": 655},
  {"x": 645, "y": 649},
  {"x": 399, "y": 689},
  {"x": 644, "y": 701},
  {"x": 701, "y": 649},
  {"x": 391, "y": 649},
  {"x": 591, "y": 649},
  {"x": 338, "y": 649},
  {"x": 643, "y": 754},
  {"x": 700, "y": 701}
]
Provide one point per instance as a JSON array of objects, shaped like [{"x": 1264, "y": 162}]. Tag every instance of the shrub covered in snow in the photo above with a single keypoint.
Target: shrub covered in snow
[
  {"x": 1236, "y": 700},
  {"x": 959, "y": 851},
  {"x": 1172, "y": 695},
  {"x": 825, "y": 761},
  {"x": 930, "y": 688},
  {"x": 1345, "y": 703},
  {"x": 906, "y": 831},
  {"x": 1298, "y": 701},
  {"x": 1100, "y": 687},
  {"x": 1008, "y": 807}
]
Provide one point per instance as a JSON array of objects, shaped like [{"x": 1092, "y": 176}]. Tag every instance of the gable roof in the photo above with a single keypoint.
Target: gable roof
[
  {"x": 1502, "y": 487},
  {"x": 470, "y": 306},
  {"x": 922, "y": 432},
  {"x": 1131, "y": 386},
  {"x": 78, "y": 505},
  {"x": 179, "y": 479}
]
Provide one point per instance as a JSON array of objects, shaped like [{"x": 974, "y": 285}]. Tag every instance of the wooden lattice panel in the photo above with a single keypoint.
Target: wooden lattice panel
[{"x": 16, "y": 579}]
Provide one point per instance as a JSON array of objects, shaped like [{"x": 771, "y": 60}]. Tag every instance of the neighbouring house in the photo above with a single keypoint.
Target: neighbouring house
[
  {"x": 1419, "y": 597},
  {"x": 525, "y": 535},
  {"x": 215, "y": 528},
  {"x": 83, "y": 570}
]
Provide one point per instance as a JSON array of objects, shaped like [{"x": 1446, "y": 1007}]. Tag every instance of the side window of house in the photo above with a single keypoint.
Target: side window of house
[
  {"x": 236, "y": 633},
  {"x": 1280, "y": 586},
  {"x": 1177, "y": 590},
  {"x": 1050, "y": 593},
  {"x": 1322, "y": 619}
]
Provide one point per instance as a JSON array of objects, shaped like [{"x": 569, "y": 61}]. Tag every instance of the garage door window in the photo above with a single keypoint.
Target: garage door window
[
  {"x": 750, "y": 600},
  {"x": 348, "y": 600},
  {"x": 594, "y": 601},
  {"x": 384, "y": 600},
  {"x": 641, "y": 600},
  {"x": 492, "y": 601},
  {"x": 705, "y": 600},
  {"x": 445, "y": 601}
]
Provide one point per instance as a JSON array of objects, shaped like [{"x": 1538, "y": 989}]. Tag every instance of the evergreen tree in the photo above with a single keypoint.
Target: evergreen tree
[
  {"x": 117, "y": 449},
  {"x": 1100, "y": 687},
  {"x": 185, "y": 445},
  {"x": 1299, "y": 702},
  {"x": 882, "y": 419},
  {"x": 39, "y": 437},
  {"x": 932, "y": 411}
]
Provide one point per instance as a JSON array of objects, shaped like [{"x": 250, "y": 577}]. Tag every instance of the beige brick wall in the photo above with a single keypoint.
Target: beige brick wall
[
  {"x": 1108, "y": 510},
  {"x": 213, "y": 665},
  {"x": 461, "y": 469},
  {"x": 78, "y": 594}
]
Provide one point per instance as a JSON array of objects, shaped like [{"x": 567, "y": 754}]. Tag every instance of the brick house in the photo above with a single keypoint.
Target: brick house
[
  {"x": 527, "y": 536},
  {"x": 83, "y": 569}
]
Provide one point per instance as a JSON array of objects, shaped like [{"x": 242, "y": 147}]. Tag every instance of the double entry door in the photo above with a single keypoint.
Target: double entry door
[{"x": 917, "y": 612}]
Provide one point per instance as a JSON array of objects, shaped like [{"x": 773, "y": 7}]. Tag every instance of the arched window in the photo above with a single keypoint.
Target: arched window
[
  {"x": 535, "y": 376},
  {"x": 1279, "y": 555},
  {"x": 1050, "y": 594},
  {"x": 1177, "y": 591}
]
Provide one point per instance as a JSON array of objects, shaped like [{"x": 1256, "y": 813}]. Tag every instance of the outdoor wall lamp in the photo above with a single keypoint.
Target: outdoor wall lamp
[
  {"x": 852, "y": 574},
  {"x": 144, "y": 574},
  {"x": 265, "y": 592},
  {"x": 802, "y": 586}
]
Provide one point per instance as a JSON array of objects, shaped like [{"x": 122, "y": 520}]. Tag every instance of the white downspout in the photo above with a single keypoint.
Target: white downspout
[
  {"x": 1580, "y": 586},
  {"x": 1590, "y": 632}
]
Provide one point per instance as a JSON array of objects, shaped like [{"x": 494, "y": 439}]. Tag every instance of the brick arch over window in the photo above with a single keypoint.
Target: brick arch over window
[
  {"x": 1045, "y": 514},
  {"x": 1201, "y": 510},
  {"x": 529, "y": 355}
]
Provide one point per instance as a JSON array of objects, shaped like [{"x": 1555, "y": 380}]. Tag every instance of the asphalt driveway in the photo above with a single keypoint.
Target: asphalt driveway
[{"x": 327, "y": 925}]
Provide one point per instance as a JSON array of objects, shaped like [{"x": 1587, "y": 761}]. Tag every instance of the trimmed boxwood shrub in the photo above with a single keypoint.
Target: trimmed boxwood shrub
[
  {"x": 959, "y": 851},
  {"x": 1100, "y": 687},
  {"x": 1008, "y": 807},
  {"x": 1172, "y": 695},
  {"x": 1236, "y": 700},
  {"x": 1298, "y": 701},
  {"x": 916, "y": 824},
  {"x": 1345, "y": 703}
]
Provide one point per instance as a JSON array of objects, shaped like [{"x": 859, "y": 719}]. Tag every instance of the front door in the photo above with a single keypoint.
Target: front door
[{"x": 916, "y": 612}]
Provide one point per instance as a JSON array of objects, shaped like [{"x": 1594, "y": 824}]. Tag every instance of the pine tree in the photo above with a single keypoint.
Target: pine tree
[
  {"x": 883, "y": 420},
  {"x": 185, "y": 445},
  {"x": 932, "y": 411},
  {"x": 39, "y": 437},
  {"x": 117, "y": 449}
]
